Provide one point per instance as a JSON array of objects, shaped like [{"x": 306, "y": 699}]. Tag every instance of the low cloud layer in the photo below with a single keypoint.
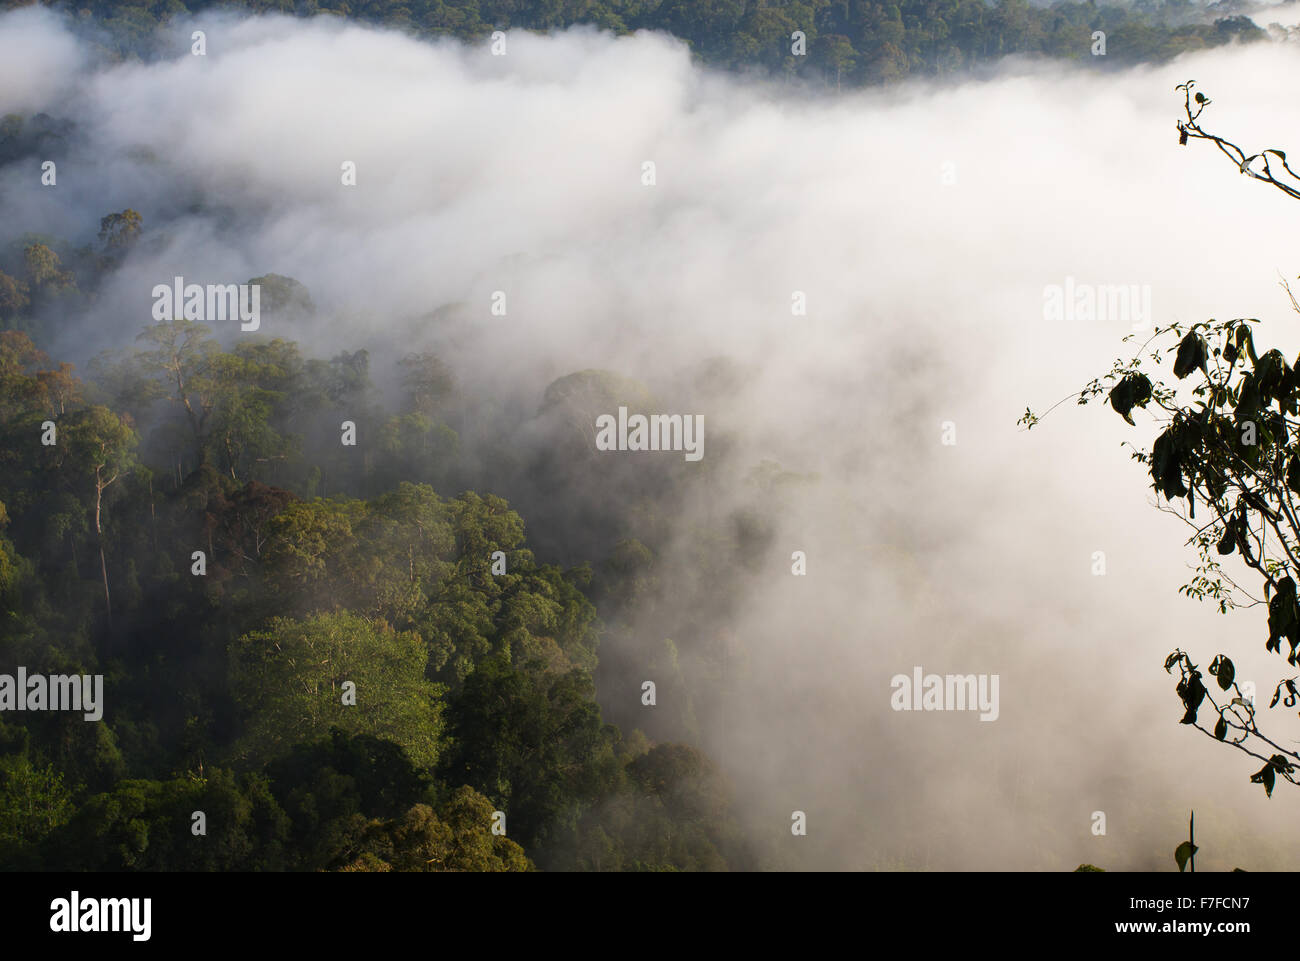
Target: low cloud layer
[{"x": 921, "y": 223}]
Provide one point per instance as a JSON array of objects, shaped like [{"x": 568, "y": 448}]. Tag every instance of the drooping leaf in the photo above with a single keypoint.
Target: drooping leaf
[
  {"x": 1166, "y": 466},
  {"x": 1266, "y": 777},
  {"x": 1244, "y": 336},
  {"x": 1134, "y": 390},
  {"x": 1184, "y": 854},
  {"x": 1223, "y": 669},
  {"x": 1248, "y": 398},
  {"x": 1192, "y": 692},
  {"x": 1272, "y": 374},
  {"x": 1221, "y": 729},
  {"x": 1192, "y": 353},
  {"x": 1282, "y": 613},
  {"x": 1160, "y": 454}
]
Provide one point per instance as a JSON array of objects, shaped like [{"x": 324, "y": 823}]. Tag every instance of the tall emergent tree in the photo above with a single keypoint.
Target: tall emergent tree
[
  {"x": 100, "y": 443},
  {"x": 1230, "y": 447}
]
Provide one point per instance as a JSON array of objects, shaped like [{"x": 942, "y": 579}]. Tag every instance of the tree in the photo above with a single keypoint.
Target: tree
[
  {"x": 19, "y": 361},
  {"x": 671, "y": 813},
  {"x": 428, "y": 382},
  {"x": 44, "y": 269},
  {"x": 1229, "y": 446},
  {"x": 33, "y": 801},
  {"x": 13, "y": 297},
  {"x": 461, "y": 839},
  {"x": 583, "y": 396},
  {"x": 100, "y": 443},
  {"x": 533, "y": 742},
  {"x": 242, "y": 411},
  {"x": 280, "y": 293},
  {"x": 414, "y": 446},
  {"x": 309, "y": 551},
  {"x": 181, "y": 353},
  {"x": 289, "y": 682},
  {"x": 60, "y": 389},
  {"x": 119, "y": 231},
  {"x": 143, "y": 825},
  {"x": 839, "y": 54},
  {"x": 11, "y": 566},
  {"x": 333, "y": 789},
  {"x": 241, "y": 521}
]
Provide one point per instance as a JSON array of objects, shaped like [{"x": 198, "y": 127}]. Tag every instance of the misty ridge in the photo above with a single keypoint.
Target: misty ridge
[{"x": 465, "y": 257}]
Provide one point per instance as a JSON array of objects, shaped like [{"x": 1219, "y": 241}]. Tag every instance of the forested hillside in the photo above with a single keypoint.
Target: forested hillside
[
  {"x": 188, "y": 521},
  {"x": 846, "y": 43},
  {"x": 363, "y": 592}
]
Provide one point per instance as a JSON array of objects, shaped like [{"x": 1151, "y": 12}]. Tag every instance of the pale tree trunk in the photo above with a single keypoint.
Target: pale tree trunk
[
  {"x": 100, "y": 486},
  {"x": 99, "y": 539},
  {"x": 153, "y": 518}
]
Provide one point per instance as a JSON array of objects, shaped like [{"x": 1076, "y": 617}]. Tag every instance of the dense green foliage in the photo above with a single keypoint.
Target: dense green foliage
[
  {"x": 875, "y": 41},
  {"x": 338, "y": 682}
]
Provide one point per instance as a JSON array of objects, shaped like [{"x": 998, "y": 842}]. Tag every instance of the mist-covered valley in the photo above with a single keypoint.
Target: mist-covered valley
[{"x": 477, "y": 256}]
